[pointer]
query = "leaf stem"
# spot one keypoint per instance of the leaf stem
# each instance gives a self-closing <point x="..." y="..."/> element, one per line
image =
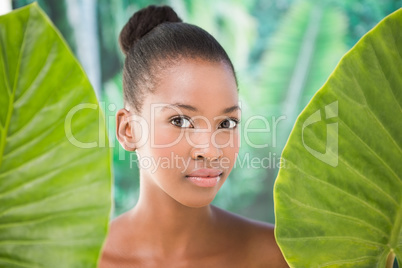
<point x="390" y="260"/>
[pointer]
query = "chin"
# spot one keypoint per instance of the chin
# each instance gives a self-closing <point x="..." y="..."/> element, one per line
<point x="194" y="203"/>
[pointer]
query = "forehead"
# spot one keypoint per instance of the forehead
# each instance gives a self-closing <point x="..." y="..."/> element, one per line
<point x="208" y="86"/>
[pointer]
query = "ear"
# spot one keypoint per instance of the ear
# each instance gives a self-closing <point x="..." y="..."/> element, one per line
<point x="124" y="130"/>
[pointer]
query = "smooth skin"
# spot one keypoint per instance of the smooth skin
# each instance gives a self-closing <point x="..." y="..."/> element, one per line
<point x="189" y="122"/>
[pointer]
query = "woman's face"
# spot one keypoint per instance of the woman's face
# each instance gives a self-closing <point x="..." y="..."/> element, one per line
<point x="187" y="141"/>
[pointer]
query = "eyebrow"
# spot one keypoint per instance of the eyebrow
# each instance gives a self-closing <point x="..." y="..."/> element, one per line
<point x="193" y="109"/>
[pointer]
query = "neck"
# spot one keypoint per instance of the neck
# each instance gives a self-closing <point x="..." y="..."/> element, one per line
<point x="171" y="227"/>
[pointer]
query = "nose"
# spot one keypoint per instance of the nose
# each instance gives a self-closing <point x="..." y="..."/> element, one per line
<point x="209" y="152"/>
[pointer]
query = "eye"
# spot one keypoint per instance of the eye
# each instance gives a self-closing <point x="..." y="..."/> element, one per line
<point x="229" y="123"/>
<point x="181" y="121"/>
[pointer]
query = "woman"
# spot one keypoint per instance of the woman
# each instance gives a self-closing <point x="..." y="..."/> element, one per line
<point x="181" y="114"/>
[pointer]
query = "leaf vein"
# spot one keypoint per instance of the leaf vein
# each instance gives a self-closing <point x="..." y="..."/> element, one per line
<point x="372" y="150"/>
<point x="345" y="192"/>
<point x="325" y="211"/>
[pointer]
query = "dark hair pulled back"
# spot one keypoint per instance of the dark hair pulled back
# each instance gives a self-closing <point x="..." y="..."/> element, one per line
<point x="155" y="38"/>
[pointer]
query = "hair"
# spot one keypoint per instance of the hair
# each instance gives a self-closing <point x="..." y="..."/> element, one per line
<point x="155" y="38"/>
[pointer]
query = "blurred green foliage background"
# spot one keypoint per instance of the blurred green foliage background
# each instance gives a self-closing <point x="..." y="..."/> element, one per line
<point x="283" y="51"/>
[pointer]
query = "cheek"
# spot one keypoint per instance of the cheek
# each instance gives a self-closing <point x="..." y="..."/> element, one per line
<point x="228" y="140"/>
<point x="165" y="136"/>
<point x="230" y="147"/>
<point x="231" y="153"/>
<point x="168" y="145"/>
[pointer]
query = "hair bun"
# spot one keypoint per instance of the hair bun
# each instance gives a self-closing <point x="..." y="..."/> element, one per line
<point x="142" y="22"/>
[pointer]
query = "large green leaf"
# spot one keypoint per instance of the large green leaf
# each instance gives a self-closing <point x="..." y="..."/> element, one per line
<point x="55" y="175"/>
<point x="338" y="197"/>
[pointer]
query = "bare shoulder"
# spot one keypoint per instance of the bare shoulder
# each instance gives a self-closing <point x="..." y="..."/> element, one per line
<point x="265" y="250"/>
<point x="257" y="240"/>
<point x="113" y="248"/>
<point x="115" y="231"/>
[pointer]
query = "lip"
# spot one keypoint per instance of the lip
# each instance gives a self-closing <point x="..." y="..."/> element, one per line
<point x="205" y="177"/>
